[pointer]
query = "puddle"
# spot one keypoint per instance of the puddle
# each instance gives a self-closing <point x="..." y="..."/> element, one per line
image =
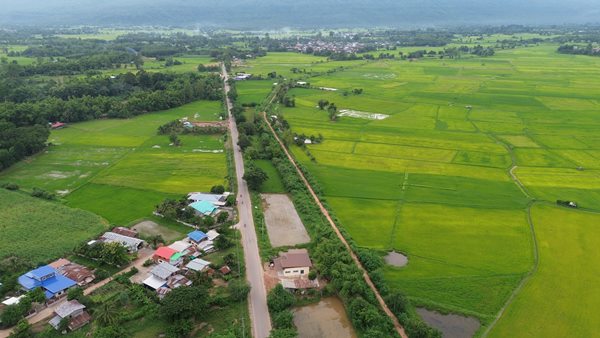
<point x="326" y="318"/>
<point x="396" y="259"/>
<point x="451" y="325"/>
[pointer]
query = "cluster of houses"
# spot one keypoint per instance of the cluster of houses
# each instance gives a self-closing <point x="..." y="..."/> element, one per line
<point x="207" y="204"/>
<point x="332" y="46"/>
<point x="170" y="270"/>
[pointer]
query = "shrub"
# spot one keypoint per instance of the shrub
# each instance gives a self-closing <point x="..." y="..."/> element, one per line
<point x="312" y="275"/>
<point x="217" y="189"/>
<point x="10" y="186"/>
<point x="238" y="289"/>
<point x="283" y="320"/>
<point x="279" y="299"/>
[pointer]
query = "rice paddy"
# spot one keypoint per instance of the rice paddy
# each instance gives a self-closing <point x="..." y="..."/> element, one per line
<point x="120" y="169"/>
<point x="435" y="179"/>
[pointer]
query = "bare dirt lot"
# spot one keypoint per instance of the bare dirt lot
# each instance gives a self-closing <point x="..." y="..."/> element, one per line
<point x="283" y="223"/>
<point x="149" y="228"/>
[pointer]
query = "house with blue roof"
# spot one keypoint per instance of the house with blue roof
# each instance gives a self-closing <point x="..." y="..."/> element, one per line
<point x="205" y="208"/>
<point x="197" y="236"/>
<point x="47" y="278"/>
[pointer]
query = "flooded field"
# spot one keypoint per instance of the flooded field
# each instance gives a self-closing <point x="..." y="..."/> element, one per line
<point x="451" y="326"/>
<point x="397" y="259"/>
<point x="327" y="318"/>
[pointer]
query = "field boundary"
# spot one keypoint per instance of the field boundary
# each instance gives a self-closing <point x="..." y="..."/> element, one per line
<point x="325" y="213"/>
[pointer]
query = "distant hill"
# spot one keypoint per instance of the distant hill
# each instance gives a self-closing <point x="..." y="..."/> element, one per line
<point x="266" y="14"/>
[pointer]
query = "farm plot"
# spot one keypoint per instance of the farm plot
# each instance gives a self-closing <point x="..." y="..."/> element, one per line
<point x="104" y="165"/>
<point x="40" y="230"/>
<point x="432" y="180"/>
<point x="283" y="222"/>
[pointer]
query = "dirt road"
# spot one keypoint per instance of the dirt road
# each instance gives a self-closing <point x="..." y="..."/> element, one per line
<point x="259" y="313"/>
<point x="397" y="325"/>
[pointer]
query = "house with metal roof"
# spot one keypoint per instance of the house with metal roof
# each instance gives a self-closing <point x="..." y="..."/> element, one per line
<point x="182" y="247"/>
<point x="197" y="236"/>
<point x="293" y="263"/>
<point x="74" y="312"/>
<point x="212" y="234"/>
<point x="164" y="254"/>
<point x="198" y="265"/>
<point x="204" y="208"/>
<point x="216" y="199"/>
<point x="131" y="243"/>
<point x="47" y="278"/>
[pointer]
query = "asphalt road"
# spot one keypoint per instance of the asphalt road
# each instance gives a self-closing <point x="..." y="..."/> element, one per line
<point x="259" y="312"/>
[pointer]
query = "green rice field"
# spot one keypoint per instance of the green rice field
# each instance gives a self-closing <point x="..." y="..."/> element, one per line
<point x="120" y="169"/>
<point x="448" y="177"/>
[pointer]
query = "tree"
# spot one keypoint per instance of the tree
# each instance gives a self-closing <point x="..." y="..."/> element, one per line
<point x="74" y="293"/>
<point x="22" y="330"/>
<point x="397" y="302"/>
<point x="174" y="139"/>
<point x="332" y="110"/>
<point x="106" y="314"/>
<point x="254" y="176"/>
<point x="244" y="141"/>
<point x="312" y="275"/>
<point x="184" y="303"/>
<point x="222" y="243"/>
<point x="37" y="295"/>
<point x="111" y="332"/>
<point x="222" y="217"/>
<point x="279" y="299"/>
<point x="113" y="254"/>
<point x="238" y="289"/>
<point x="364" y="315"/>
<point x="283" y="320"/>
<point x="180" y="329"/>
<point x="217" y="189"/>
<point x="322" y="104"/>
<point x="11" y="315"/>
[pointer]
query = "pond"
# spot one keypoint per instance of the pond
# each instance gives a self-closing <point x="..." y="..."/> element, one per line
<point x="451" y="325"/>
<point x="397" y="259"/>
<point x="326" y="318"/>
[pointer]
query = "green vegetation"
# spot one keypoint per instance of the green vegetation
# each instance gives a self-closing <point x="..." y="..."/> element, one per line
<point x="568" y="265"/>
<point x="273" y="184"/>
<point x="432" y="178"/>
<point x="38" y="230"/>
<point x="104" y="164"/>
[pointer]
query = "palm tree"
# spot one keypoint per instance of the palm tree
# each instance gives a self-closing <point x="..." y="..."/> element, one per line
<point x="106" y="314"/>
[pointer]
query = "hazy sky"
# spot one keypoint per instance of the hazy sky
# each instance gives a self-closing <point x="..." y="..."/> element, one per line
<point x="298" y="13"/>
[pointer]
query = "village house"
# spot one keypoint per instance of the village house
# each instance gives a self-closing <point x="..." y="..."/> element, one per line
<point x="216" y="199"/>
<point x="183" y="247"/>
<point x="125" y="232"/>
<point x="74" y="312"/>
<point x="79" y="273"/>
<point x="47" y="278"/>
<point x="165" y="254"/>
<point x="197" y="236"/>
<point x="204" y="208"/>
<point x="159" y="274"/>
<point x="293" y="263"/>
<point x="198" y="265"/>
<point x="132" y="244"/>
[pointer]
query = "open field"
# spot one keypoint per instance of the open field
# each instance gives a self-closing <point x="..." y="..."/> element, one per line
<point x="432" y="180"/>
<point x="559" y="296"/>
<point x="273" y="183"/>
<point x="283" y="222"/>
<point x="40" y="230"/>
<point x="104" y="165"/>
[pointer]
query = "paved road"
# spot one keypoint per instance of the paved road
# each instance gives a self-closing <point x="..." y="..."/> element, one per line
<point x="48" y="312"/>
<point x="259" y="313"/>
<point x="382" y="303"/>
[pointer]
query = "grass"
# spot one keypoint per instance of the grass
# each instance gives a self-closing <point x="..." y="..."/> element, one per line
<point x="273" y="183"/>
<point x="120" y="169"/>
<point x="432" y="180"/>
<point x="40" y="230"/>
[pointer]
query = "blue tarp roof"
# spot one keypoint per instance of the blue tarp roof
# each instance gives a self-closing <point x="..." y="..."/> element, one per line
<point x="197" y="235"/>
<point x="204" y="207"/>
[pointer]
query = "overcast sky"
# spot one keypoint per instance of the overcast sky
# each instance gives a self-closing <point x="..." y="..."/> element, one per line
<point x="298" y="13"/>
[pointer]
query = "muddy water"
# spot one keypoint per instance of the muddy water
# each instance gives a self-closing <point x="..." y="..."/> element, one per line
<point x="451" y="326"/>
<point x="326" y="318"/>
<point x="396" y="259"/>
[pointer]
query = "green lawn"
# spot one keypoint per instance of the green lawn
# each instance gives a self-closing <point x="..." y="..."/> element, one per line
<point x="120" y="169"/>
<point x="432" y="178"/>
<point x="40" y="230"/>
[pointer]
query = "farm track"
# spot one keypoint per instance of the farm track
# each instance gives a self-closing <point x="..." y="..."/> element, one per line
<point x="324" y="211"/>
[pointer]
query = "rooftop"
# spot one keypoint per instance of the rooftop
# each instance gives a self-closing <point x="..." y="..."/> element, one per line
<point x="204" y="207"/>
<point x="197" y="235"/>
<point x="164" y="270"/>
<point x="294" y="258"/>
<point x="198" y="264"/>
<point x="67" y="308"/>
<point x="165" y="252"/>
